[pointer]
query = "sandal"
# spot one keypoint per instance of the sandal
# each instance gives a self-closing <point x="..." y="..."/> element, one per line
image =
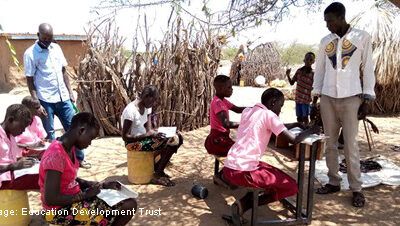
<point x="162" y="181"/>
<point x="358" y="199"/>
<point x="85" y="165"/>
<point x="328" y="189"/>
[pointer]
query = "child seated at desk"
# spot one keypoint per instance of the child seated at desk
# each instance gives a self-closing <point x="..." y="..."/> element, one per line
<point x="243" y="166"/>
<point x="34" y="134"/>
<point x="218" y="141"/>
<point x="17" y="119"/>
<point x="139" y="138"/>
<point x="76" y="199"/>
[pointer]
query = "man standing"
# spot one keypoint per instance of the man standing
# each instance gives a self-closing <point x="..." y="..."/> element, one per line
<point x="44" y="64"/>
<point x="342" y="55"/>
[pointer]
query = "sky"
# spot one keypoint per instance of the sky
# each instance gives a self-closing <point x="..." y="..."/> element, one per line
<point x="72" y="17"/>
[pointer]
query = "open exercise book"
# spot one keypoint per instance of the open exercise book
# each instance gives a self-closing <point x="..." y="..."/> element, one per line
<point x="311" y="138"/>
<point x="31" y="170"/>
<point x="168" y="131"/>
<point x="112" y="197"/>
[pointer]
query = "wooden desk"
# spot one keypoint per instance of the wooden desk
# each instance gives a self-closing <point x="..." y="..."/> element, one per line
<point x="297" y="209"/>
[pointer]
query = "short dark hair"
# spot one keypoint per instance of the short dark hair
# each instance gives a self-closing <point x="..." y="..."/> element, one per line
<point x="336" y="8"/>
<point x="19" y="113"/>
<point x="149" y="91"/>
<point x="85" y="119"/>
<point x="221" y="79"/>
<point x="29" y="102"/>
<point x="271" y="94"/>
<point x="310" y="53"/>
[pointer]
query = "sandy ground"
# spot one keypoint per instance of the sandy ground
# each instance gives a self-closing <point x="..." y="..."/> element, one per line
<point x="192" y="165"/>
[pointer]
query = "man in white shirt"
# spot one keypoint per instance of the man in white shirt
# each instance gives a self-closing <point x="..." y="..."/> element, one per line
<point x="48" y="82"/>
<point x="342" y="55"/>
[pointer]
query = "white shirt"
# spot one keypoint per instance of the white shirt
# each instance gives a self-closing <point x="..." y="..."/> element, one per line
<point x="339" y="62"/>
<point x="131" y="113"/>
<point x="45" y="66"/>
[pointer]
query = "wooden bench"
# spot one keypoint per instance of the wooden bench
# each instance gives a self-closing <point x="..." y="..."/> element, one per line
<point x="223" y="183"/>
<point x="218" y="160"/>
<point x="302" y="214"/>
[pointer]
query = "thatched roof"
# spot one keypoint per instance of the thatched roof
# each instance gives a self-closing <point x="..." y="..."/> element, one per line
<point x="263" y="60"/>
<point x="396" y="26"/>
<point x="379" y="22"/>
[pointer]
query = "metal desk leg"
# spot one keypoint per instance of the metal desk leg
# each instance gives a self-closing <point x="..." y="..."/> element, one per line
<point x="311" y="172"/>
<point x="254" y="208"/>
<point x="300" y="183"/>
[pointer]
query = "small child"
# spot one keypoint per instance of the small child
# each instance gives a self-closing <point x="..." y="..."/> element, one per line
<point x="17" y="119"/>
<point x="63" y="191"/>
<point x="34" y="134"/>
<point x="218" y="141"/>
<point x="243" y="166"/>
<point x="304" y="78"/>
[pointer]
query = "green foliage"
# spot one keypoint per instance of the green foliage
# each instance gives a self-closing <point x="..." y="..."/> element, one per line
<point x="229" y="53"/>
<point x="127" y="53"/>
<point x="294" y="53"/>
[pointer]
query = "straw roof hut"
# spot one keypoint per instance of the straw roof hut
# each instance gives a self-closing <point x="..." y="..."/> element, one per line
<point x="379" y="22"/>
<point x="263" y="60"/>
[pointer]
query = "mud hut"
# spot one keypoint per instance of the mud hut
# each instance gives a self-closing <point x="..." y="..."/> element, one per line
<point x="73" y="47"/>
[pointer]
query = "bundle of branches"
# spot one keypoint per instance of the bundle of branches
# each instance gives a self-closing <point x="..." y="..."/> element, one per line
<point x="263" y="60"/>
<point x="101" y="89"/>
<point x="379" y="23"/>
<point x="182" y="67"/>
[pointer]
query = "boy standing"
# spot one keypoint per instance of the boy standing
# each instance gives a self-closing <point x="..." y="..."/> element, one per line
<point x="304" y="78"/>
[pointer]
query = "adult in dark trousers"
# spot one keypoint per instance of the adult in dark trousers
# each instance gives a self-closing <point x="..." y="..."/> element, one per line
<point x="47" y="79"/>
<point x="342" y="56"/>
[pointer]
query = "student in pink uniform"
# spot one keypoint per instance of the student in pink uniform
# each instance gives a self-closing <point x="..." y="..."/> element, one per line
<point x="34" y="134"/>
<point x="218" y="141"/>
<point x="62" y="190"/>
<point x="17" y="119"/>
<point x="243" y="166"/>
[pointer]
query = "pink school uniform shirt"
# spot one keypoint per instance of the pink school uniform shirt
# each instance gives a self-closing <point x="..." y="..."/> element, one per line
<point x="56" y="158"/>
<point x="9" y="152"/>
<point x="255" y="129"/>
<point x="218" y="105"/>
<point x="33" y="133"/>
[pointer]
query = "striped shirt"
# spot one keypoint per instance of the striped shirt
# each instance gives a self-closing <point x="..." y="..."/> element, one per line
<point x="304" y="85"/>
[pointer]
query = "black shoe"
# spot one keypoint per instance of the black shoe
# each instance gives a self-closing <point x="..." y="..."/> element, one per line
<point x="328" y="189"/>
<point x="358" y="199"/>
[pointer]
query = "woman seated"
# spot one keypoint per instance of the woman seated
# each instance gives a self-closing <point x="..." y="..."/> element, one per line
<point x="139" y="138"/>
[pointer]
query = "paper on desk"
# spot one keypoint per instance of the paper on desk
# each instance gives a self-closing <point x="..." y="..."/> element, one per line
<point x="27" y="171"/>
<point x="311" y="138"/>
<point x="42" y="148"/>
<point x="112" y="197"/>
<point x="168" y="131"/>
